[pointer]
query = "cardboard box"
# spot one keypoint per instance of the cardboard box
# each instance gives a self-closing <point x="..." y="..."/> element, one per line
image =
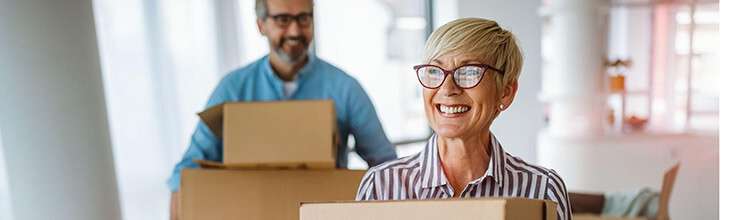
<point x="260" y="194"/>
<point x="283" y="134"/>
<point x="669" y="179"/>
<point x="484" y="208"/>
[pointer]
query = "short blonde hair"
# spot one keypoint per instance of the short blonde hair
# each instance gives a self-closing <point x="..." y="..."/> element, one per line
<point x="481" y="38"/>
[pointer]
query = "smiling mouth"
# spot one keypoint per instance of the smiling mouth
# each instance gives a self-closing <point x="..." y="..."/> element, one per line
<point x="452" y="109"/>
<point x="293" y="41"/>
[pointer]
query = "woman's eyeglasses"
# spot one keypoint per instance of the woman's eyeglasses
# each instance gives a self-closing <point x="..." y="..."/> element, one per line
<point x="466" y="76"/>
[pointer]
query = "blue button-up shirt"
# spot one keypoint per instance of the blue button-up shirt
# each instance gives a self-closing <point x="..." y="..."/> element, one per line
<point x="316" y="80"/>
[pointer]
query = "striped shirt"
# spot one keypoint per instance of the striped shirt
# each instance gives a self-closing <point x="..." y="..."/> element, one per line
<point x="420" y="176"/>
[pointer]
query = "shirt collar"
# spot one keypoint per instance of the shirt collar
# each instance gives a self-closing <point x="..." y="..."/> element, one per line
<point x="496" y="165"/>
<point x="431" y="167"/>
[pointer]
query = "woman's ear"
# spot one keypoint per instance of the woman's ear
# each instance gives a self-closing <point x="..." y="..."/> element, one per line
<point x="509" y="93"/>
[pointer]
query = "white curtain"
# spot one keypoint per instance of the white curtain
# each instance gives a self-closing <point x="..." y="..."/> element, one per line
<point x="162" y="59"/>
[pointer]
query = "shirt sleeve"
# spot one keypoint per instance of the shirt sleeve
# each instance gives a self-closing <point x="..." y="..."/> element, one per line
<point x="557" y="192"/>
<point x="367" y="191"/>
<point x="204" y="145"/>
<point x="371" y="142"/>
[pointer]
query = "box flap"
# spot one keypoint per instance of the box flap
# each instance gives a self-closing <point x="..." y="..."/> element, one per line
<point x="209" y="164"/>
<point x="213" y="118"/>
<point x="669" y="178"/>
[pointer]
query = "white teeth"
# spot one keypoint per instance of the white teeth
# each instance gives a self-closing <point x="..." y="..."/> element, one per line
<point x="453" y="110"/>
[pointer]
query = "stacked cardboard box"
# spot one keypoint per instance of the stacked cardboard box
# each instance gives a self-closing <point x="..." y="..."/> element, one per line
<point x="260" y="194"/>
<point x="279" y="154"/>
<point x="276" y="154"/>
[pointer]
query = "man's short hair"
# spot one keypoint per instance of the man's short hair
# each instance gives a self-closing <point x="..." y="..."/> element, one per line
<point x="260" y="8"/>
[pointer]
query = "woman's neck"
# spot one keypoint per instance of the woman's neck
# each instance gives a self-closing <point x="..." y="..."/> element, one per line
<point x="464" y="159"/>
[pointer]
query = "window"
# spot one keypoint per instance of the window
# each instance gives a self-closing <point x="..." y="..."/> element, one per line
<point x="671" y="72"/>
<point x="696" y="50"/>
<point x="380" y="53"/>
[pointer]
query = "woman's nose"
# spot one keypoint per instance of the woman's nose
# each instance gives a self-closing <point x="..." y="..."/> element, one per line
<point x="448" y="87"/>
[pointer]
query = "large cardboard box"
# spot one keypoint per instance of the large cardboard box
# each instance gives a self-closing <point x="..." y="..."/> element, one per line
<point x="462" y="209"/>
<point x="280" y="134"/>
<point x="260" y="194"/>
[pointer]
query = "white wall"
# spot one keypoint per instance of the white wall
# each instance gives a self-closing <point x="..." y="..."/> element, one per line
<point x="518" y="126"/>
<point x="55" y="133"/>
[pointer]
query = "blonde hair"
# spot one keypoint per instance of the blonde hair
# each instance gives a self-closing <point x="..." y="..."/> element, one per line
<point x="483" y="39"/>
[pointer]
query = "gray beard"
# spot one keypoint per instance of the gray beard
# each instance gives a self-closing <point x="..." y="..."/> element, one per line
<point x="285" y="57"/>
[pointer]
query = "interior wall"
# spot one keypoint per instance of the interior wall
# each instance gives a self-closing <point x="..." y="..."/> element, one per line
<point x="629" y="163"/>
<point x="518" y="126"/>
<point x="53" y="118"/>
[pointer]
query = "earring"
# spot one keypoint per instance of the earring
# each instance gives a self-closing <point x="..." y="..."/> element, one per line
<point x="501" y="107"/>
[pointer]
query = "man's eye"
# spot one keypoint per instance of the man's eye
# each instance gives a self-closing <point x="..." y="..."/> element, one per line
<point x="282" y="19"/>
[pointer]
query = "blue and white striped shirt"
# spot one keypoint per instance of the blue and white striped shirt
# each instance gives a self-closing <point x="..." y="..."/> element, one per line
<point x="420" y="176"/>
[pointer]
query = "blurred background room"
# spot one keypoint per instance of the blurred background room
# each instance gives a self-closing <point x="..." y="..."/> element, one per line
<point x="99" y="98"/>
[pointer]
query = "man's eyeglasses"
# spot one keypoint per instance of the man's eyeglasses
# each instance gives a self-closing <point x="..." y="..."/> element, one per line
<point x="466" y="76"/>
<point x="303" y="19"/>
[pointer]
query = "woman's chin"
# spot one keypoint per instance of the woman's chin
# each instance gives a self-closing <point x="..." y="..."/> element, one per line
<point x="449" y="131"/>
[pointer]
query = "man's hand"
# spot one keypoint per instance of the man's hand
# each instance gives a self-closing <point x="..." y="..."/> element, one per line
<point x="174" y="206"/>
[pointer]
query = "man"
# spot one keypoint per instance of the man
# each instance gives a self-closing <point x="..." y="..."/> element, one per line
<point x="291" y="72"/>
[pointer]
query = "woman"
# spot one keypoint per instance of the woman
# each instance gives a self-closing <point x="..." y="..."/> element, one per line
<point x="470" y="77"/>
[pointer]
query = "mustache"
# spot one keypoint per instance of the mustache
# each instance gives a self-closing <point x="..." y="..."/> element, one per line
<point x="300" y="39"/>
